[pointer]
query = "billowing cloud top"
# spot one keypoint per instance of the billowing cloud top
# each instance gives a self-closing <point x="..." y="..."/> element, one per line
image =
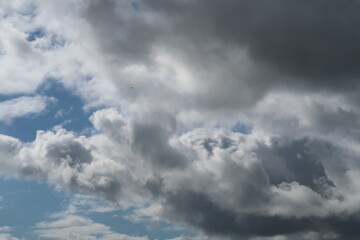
<point x="237" y="118"/>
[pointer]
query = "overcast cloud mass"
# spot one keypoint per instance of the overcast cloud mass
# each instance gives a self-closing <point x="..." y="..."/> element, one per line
<point x="239" y="119"/>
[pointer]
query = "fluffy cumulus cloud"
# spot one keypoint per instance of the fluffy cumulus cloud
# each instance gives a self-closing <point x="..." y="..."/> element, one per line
<point x="239" y="119"/>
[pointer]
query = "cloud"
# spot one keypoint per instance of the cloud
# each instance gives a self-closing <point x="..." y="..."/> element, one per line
<point x="78" y="227"/>
<point x="22" y="107"/>
<point x="87" y="203"/>
<point x="22" y="69"/>
<point x="317" y="48"/>
<point x="5" y="229"/>
<point x="170" y="80"/>
<point x="189" y="238"/>
<point x="291" y="186"/>
<point x="70" y="223"/>
<point x="6" y="236"/>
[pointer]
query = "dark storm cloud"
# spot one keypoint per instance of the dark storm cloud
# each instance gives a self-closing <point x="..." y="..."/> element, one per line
<point x="245" y="48"/>
<point x="292" y="161"/>
<point x="316" y="42"/>
<point x="197" y="210"/>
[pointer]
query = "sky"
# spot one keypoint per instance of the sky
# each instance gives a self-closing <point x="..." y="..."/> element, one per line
<point x="179" y="120"/>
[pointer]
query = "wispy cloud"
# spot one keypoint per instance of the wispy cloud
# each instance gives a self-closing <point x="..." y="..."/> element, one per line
<point x="77" y="227"/>
<point x="22" y="107"/>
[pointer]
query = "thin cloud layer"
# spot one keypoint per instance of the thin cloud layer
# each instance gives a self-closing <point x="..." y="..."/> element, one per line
<point x="172" y="81"/>
<point x="22" y="106"/>
<point x="77" y="227"/>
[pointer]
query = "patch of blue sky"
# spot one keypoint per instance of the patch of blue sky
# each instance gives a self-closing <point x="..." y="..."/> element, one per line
<point x="69" y="107"/>
<point x="51" y="41"/>
<point x="38" y="33"/>
<point x="136" y="6"/>
<point x="242" y="128"/>
<point x="67" y="111"/>
<point x="25" y="203"/>
<point x="56" y="41"/>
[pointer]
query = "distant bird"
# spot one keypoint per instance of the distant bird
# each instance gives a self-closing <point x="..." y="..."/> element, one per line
<point x="132" y="87"/>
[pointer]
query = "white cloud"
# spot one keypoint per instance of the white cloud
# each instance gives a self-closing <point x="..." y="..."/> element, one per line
<point x="22" y="69"/>
<point x="7" y="236"/>
<point x="22" y="107"/>
<point x="78" y="227"/>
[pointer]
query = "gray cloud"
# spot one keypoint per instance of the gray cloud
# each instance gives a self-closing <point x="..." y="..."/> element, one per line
<point x="120" y="31"/>
<point x="152" y="142"/>
<point x="293" y="162"/>
<point x="197" y="210"/>
<point x="315" y="41"/>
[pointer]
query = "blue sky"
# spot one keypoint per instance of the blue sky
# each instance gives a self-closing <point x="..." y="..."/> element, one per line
<point x="66" y="108"/>
<point x="26" y="203"/>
